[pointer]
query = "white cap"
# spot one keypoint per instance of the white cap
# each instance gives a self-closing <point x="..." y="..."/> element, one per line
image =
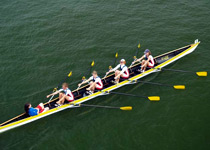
<point x="122" y="60"/>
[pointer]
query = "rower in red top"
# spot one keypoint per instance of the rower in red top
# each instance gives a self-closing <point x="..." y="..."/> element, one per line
<point x="148" y="62"/>
<point x="95" y="83"/>
<point x="121" y="70"/>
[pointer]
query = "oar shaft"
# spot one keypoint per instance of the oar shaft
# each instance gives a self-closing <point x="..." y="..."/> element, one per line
<point x="126" y="94"/>
<point x="110" y="67"/>
<point x="69" y="75"/>
<point x="91" y="66"/>
<point x="176" y="70"/>
<point x="98" y="106"/>
<point x="116" y="56"/>
<point x="154" y="83"/>
<point x="62" y="82"/>
<point x="51" y="98"/>
<point x="200" y="73"/>
<point x="114" y="62"/>
<point x="90" y="70"/>
<point x="135" y="56"/>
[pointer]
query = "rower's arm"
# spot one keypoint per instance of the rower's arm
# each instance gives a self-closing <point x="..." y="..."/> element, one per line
<point x="86" y="81"/>
<point x="53" y="94"/>
<point x="139" y="59"/>
<point x="114" y="69"/>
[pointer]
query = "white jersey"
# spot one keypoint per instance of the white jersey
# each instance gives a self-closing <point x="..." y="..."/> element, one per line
<point x="152" y="62"/>
<point x="66" y="91"/>
<point x="123" y="68"/>
<point x="97" y="80"/>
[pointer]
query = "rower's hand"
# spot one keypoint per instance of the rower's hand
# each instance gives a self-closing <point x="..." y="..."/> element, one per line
<point x="107" y="72"/>
<point x="79" y="84"/>
<point x="48" y="96"/>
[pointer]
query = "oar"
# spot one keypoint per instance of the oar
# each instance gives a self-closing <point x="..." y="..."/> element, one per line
<point x="91" y="66"/>
<point x="136" y="54"/>
<point x="110" y="67"/>
<point x="116" y="56"/>
<point x="51" y="98"/>
<point x="108" y="107"/>
<point x="84" y="78"/>
<point x="69" y="75"/>
<point x="178" y="87"/>
<point x="200" y="74"/>
<point x="151" y="98"/>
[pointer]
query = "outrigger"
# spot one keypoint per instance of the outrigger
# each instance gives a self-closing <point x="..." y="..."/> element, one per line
<point x="80" y="93"/>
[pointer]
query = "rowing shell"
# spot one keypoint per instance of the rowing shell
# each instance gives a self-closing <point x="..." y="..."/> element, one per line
<point x="80" y="96"/>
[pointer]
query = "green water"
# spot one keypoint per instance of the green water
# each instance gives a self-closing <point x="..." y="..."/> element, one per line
<point x="41" y="41"/>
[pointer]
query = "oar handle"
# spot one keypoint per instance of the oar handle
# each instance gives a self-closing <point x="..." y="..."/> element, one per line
<point x="68" y="76"/>
<point x="51" y="98"/>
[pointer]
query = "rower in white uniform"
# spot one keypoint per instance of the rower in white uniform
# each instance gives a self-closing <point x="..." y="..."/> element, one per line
<point x="121" y="70"/>
<point x="147" y="60"/>
<point x="64" y="94"/>
<point x="95" y="83"/>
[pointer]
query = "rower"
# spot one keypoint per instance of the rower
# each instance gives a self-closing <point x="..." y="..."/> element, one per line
<point x="64" y="94"/>
<point x="122" y="72"/>
<point x="35" y="111"/>
<point x="95" y="83"/>
<point x="148" y="62"/>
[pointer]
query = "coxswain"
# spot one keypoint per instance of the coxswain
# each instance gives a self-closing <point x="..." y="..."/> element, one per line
<point x="35" y="111"/>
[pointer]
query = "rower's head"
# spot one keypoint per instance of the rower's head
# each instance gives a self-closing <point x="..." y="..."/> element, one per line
<point x="147" y="52"/>
<point x="65" y="86"/>
<point x="26" y="107"/>
<point x="95" y="74"/>
<point x="122" y="62"/>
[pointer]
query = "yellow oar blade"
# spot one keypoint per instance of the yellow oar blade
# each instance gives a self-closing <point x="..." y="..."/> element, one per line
<point x="202" y="74"/>
<point x="83" y="78"/>
<point x="116" y="55"/>
<point x="92" y="64"/>
<point x="69" y="75"/>
<point x="55" y="89"/>
<point x="139" y="45"/>
<point x="179" y="87"/>
<point x="154" y="98"/>
<point x="126" y="108"/>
